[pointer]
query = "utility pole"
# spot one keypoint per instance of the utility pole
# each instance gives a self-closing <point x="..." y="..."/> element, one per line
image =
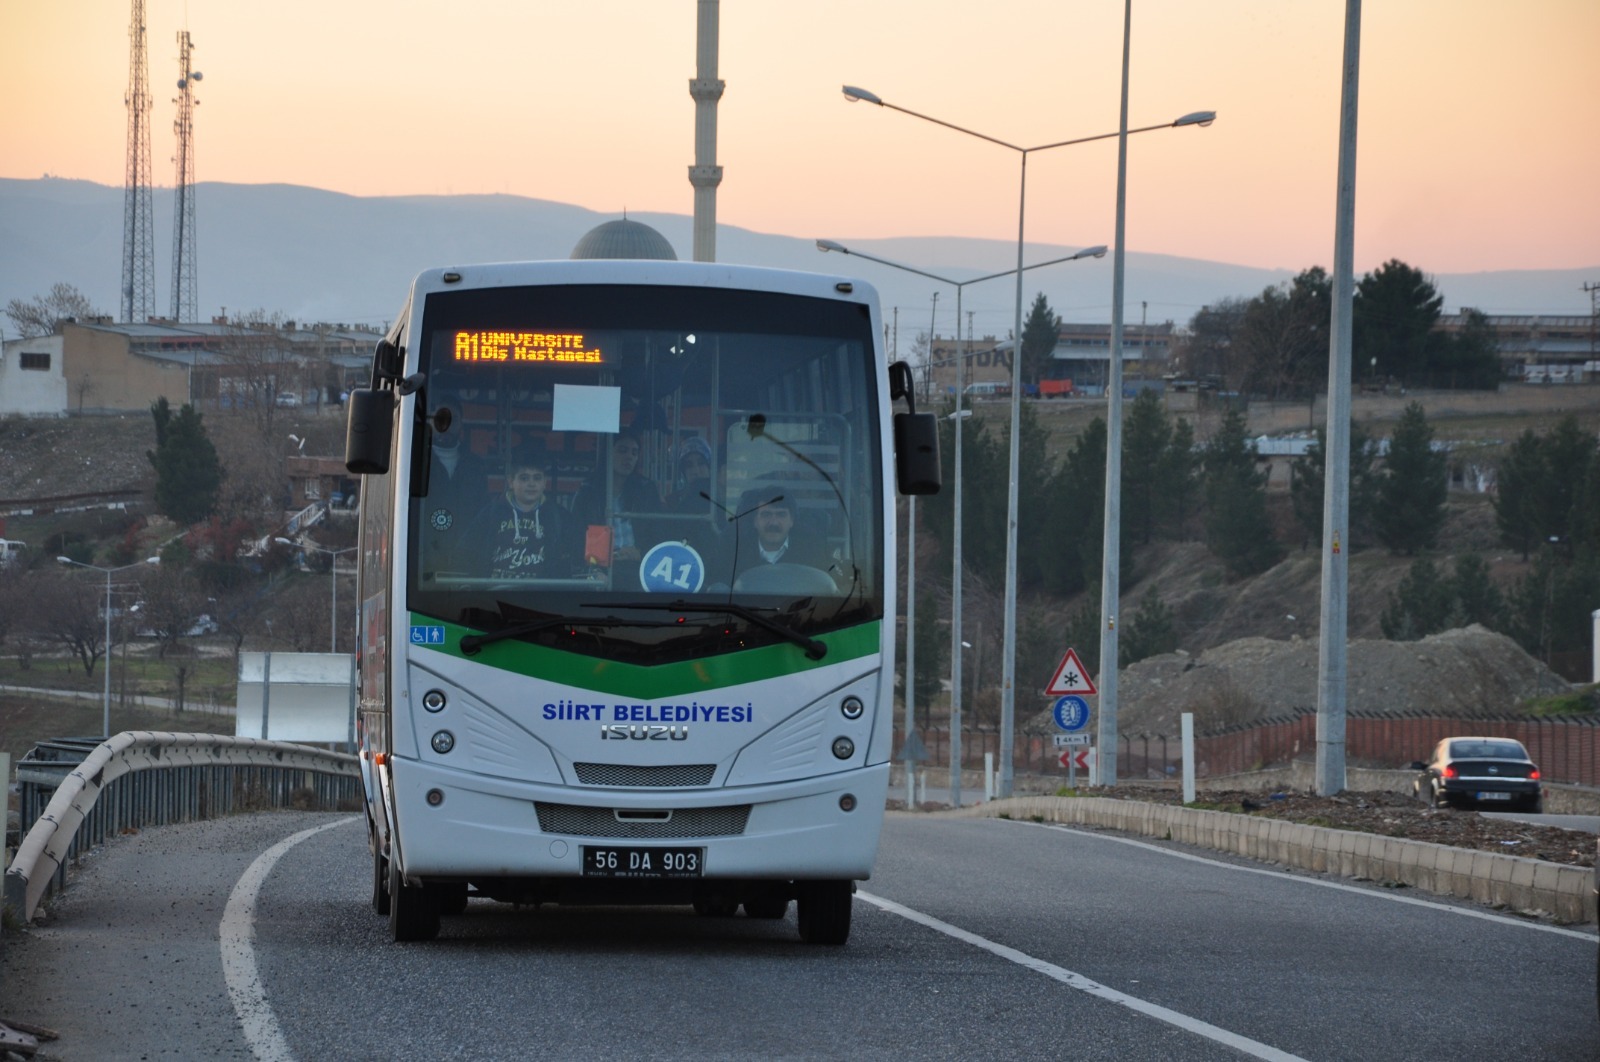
<point x="138" y="241"/>
<point x="1594" y="314"/>
<point x="184" y="299"/>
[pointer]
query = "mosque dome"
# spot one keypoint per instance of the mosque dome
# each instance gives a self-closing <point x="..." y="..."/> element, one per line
<point x="624" y="239"/>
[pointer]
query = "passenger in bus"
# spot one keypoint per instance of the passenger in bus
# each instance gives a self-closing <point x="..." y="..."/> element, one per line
<point x="524" y="534"/>
<point x="692" y="494"/>
<point x="631" y="493"/>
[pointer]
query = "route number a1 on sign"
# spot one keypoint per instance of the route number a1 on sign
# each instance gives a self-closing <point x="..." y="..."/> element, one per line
<point x="1070" y="677"/>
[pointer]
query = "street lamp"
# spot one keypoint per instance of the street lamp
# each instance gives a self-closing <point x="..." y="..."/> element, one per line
<point x="958" y="416"/>
<point x="333" y="574"/>
<point x="105" y="712"/>
<point x="1008" y="678"/>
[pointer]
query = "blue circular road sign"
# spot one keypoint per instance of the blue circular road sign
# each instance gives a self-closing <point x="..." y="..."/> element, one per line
<point x="1072" y="713"/>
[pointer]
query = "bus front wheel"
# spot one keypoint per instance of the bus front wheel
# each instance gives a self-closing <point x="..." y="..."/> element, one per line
<point x="413" y="910"/>
<point x="823" y="911"/>
<point x="380" y="882"/>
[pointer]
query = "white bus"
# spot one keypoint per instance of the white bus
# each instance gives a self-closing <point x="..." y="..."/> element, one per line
<point x="626" y="591"/>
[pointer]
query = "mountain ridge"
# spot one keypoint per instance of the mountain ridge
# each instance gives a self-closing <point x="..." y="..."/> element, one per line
<point x="313" y="254"/>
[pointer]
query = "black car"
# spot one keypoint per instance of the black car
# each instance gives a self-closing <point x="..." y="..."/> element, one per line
<point x="1481" y="771"/>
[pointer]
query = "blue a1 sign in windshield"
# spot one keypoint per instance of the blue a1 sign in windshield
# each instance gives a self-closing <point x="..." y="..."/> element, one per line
<point x="1072" y="713"/>
<point x="672" y="568"/>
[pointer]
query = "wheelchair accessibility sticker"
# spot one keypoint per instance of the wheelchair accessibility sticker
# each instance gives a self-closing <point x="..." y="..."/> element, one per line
<point x="422" y="635"/>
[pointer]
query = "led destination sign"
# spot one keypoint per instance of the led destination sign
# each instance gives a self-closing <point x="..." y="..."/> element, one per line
<point x="560" y="347"/>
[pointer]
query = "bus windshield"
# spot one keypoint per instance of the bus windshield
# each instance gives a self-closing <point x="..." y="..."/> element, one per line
<point x="645" y="473"/>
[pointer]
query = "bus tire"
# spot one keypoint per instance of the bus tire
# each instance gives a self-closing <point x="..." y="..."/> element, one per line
<point x="380" y="883"/>
<point x="413" y="910"/>
<point x="824" y="912"/>
<point x="452" y="897"/>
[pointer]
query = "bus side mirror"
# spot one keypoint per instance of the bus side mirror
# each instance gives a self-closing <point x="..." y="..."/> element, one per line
<point x="369" y="432"/>
<point x="916" y="453"/>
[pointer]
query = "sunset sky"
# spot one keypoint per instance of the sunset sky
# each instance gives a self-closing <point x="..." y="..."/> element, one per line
<point x="1478" y="147"/>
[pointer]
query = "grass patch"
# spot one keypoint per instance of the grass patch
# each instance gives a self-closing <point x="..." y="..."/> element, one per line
<point x="27" y="719"/>
<point x="1582" y="701"/>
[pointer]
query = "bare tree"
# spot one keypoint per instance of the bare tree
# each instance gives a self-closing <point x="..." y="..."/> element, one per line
<point x="173" y="602"/>
<point x="40" y="315"/>
<point x="67" y="611"/>
<point x="299" y="616"/>
<point x="258" y="364"/>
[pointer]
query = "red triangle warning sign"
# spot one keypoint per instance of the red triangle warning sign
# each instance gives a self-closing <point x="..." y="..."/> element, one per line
<point x="1070" y="677"/>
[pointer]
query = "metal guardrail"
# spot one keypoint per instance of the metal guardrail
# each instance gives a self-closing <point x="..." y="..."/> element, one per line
<point x="141" y="778"/>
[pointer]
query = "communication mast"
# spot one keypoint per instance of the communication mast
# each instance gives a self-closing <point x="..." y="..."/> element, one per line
<point x="184" y="306"/>
<point x="138" y="241"/>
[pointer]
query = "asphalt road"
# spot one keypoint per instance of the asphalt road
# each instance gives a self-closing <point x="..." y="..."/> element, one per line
<point x="975" y="939"/>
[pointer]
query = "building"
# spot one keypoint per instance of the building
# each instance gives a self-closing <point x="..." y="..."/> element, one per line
<point x="105" y="367"/>
<point x="31" y="380"/>
<point x="1082" y="356"/>
<point x="1540" y="348"/>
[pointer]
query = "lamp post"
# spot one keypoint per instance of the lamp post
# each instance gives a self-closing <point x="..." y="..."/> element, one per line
<point x="958" y="416"/>
<point x="1008" y="676"/>
<point x="105" y="711"/>
<point x="333" y="574"/>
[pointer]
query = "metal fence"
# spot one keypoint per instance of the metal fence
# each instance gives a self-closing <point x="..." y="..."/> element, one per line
<point x="76" y="792"/>
<point x="1567" y="750"/>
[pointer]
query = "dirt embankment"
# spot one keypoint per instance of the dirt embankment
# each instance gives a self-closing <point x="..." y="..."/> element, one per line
<point x="1471" y="671"/>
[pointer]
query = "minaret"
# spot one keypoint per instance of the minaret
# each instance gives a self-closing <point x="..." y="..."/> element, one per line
<point x="705" y="174"/>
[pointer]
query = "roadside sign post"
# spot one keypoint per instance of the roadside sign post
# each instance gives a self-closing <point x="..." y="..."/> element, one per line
<point x="1068" y="684"/>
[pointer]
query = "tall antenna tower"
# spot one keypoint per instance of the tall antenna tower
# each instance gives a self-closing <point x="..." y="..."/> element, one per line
<point x="183" y="254"/>
<point x="138" y="242"/>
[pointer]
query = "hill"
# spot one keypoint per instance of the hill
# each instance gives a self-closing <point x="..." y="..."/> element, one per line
<point x="315" y="255"/>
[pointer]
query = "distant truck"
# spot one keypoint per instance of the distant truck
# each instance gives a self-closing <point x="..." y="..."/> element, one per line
<point x="1055" y="388"/>
<point x="12" y="553"/>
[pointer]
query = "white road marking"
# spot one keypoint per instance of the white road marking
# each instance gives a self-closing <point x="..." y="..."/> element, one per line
<point x="238" y="933"/>
<point x="1077" y="981"/>
<point x="1466" y="912"/>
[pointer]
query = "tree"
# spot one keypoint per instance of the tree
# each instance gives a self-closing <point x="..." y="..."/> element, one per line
<point x="1283" y="337"/>
<point x="1208" y="350"/>
<point x="1146" y="437"/>
<point x="1180" y="466"/>
<point x="1307" y="487"/>
<point x="1469" y="359"/>
<point x="1040" y="333"/>
<point x="1394" y="312"/>
<point x="188" y="474"/>
<point x="1150" y="633"/>
<point x="1519" y="483"/>
<point x="1478" y="600"/>
<point x="1413" y="487"/>
<point x="1421" y="605"/>
<point x="1238" y="530"/>
<point x="68" y="611"/>
<point x="40" y="315"/>
<point x="1550" y="607"/>
<point x="933" y="649"/>
<point x="1071" y="553"/>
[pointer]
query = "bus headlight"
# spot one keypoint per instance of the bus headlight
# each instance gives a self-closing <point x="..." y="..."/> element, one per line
<point x="443" y="742"/>
<point x="852" y="707"/>
<point x="843" y="748"/>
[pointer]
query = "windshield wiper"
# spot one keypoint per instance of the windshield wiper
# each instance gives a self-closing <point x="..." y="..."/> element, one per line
<point x="814" y="649"/>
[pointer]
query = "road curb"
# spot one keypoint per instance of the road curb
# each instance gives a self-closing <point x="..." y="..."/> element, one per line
<point x="1530" y="886"/>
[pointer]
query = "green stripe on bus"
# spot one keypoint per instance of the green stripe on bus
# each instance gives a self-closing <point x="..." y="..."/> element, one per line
<point x="664" y="680"/>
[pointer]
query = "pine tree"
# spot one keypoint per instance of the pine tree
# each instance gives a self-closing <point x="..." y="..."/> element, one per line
<point x="1421" y="605"/>
<point x="1307" y="486"/>
<point x="1151" y="632"/>
<point x="188" y="473"/>
<point x="1413" y="488"/>
<point x="1040" y="334"/>
<point x="1477" y="598"/>
<point x="1519" y="482"/>
<point x="1146" y="437"/>
<point x="1237" y="528"/>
